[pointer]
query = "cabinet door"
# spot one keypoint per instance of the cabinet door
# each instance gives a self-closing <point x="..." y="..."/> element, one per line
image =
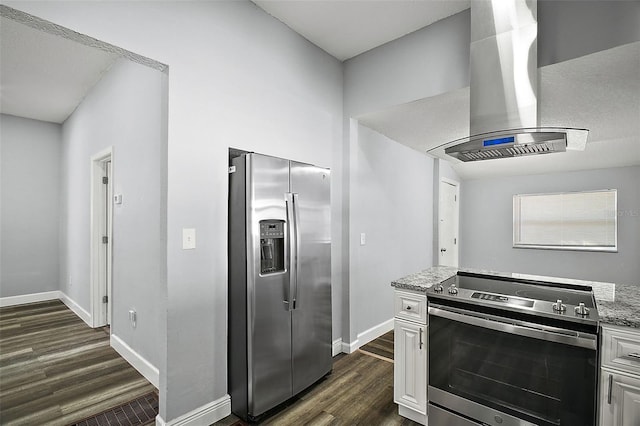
<point x="620" y="400"/>
<point x="410" y="365"/>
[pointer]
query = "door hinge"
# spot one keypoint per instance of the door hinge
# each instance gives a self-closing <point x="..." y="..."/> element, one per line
<point x="105" y="180"/>
<point x="105" y="240"/>
<point x="105" y="299"/>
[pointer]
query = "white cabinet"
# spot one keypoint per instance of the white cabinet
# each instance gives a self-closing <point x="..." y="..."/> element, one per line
<point x="619" y="399"/>
<point x="620" y="377"/>
<point x="410" y="355"/>
<point x="410" y="365"/>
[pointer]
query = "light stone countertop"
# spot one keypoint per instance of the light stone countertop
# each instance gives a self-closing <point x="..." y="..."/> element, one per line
<point x="618" y="304"/>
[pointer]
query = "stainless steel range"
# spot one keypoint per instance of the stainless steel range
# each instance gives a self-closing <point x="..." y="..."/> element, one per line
<point x="506" y="351"/>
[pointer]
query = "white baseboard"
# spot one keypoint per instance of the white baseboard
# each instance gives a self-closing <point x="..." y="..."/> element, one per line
<point x="29" y="298"/>
<point x="77" y="309"/>
<point x="336" y="347"/>
<point x="206" y="415"/>
<point x="143" y="366"/>
<point x="366" y="336"/>
<point x="375" y="332"/>
<point x="43" y="297"/>
<point x="350" y="347"/>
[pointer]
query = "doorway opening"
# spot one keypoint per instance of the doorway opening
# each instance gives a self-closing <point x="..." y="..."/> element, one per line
<point x="101" y="237"/>
<point x="448" y="218"/>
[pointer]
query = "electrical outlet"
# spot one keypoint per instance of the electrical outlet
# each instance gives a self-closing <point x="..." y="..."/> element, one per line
<point x="133" y="318"/>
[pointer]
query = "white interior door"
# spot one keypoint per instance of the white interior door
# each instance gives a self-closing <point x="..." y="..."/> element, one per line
<point x="448" y="222"/>
<point x="101" y="238"/>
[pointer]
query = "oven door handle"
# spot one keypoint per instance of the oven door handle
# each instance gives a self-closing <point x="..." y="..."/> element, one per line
<point x="521" y="328"/>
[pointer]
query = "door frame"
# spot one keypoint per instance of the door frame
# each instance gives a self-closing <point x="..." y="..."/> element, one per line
<point x="456" y="184"/>
<point x="101" y="260"/>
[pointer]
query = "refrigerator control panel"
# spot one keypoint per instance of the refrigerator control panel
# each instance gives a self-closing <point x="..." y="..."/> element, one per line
<point x="271" y="229"/>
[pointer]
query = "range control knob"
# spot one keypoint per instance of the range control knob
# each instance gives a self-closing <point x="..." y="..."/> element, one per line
<point x="559" y="307"/>
<point x="453" y="290"/>
<point x="438" y="288"/>
<point x="581" y="309"/>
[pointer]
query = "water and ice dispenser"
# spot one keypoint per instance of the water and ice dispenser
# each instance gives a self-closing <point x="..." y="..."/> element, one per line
<point x="271" y="246"/>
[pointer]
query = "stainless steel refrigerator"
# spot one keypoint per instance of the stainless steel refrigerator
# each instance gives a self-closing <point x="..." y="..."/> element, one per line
<point x="279" y="281"/>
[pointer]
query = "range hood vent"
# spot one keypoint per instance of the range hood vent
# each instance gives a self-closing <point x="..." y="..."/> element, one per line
<point x="517" y="143"/>
<point x="504" y="88"/>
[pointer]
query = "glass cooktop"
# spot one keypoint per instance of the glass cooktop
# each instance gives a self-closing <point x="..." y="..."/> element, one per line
<point x="562" y="302"/>
<point x="540" y="291"/>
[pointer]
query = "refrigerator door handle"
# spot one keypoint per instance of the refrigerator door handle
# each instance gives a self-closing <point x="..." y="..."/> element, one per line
<point x="291" y="251"/>
<point x="296" y="234"/>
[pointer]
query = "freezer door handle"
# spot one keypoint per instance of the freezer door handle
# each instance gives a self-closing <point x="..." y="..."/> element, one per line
<point x="296" y="234"/>
<point x="292" y="252"/>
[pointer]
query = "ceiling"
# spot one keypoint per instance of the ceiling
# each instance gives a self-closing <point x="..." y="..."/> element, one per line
<point x="600" y="92"/>
<point x="45" y="76"/>
<point x="347" y="28"/>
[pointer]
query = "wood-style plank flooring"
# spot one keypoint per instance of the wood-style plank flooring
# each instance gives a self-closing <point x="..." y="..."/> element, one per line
<point x="359" y="391"/>
<point x="382" y="346"/>
<point x="56" y="370"/>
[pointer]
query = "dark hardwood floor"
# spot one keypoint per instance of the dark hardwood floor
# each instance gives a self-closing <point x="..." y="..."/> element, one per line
<point x="381" y="347"/>
<point x="56" y="370"/>
<point x="359" y="391"/>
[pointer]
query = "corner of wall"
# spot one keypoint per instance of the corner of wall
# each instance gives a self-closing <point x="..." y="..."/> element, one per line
<point x="144" y="367"/>
<point x="76" y="308"/>
<point x="204" y="415"/>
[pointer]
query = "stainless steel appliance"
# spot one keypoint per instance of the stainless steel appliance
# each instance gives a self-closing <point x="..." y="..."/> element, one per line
<point x="504" y="120"/>
<point x="279" y="281"/>
<point x="505" y="351"/>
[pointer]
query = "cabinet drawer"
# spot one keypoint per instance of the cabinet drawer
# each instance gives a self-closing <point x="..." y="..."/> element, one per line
<point x="411" y="306"/>
<point x="621" y="349"/>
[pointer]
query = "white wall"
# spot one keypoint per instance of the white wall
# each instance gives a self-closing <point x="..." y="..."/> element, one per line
<point x="237" y="78"/>
<point x="445" y="170"/>
<point x="29" y="200"/>
<point x="486" y="226"/>
<point x="122" y="111"/>
<point x="425" y="63"/>
<point x="391" y="203"/>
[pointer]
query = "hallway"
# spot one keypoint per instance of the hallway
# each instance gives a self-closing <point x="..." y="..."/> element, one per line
<point x="55" y="369"/>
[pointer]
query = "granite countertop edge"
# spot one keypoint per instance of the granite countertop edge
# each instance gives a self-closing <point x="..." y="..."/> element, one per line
<point x="618" y="304"/>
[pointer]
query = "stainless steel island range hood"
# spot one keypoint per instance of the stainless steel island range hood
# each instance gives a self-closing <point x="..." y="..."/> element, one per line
<point x="504" y="88"/>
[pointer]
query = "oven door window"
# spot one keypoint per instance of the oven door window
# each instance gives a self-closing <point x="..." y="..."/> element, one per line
<point x="542" y="382"/>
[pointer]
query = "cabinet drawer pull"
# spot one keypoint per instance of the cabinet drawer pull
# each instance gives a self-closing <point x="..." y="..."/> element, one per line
<point x="635" y="355"/>
<point x="408" y="308"/>
<point x="609" y="391"/>
<point x="420" y="338"/>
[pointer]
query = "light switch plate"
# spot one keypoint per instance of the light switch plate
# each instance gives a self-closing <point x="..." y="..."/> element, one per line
<point x="117" y="199"/>
<point x="188" y="238"/>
